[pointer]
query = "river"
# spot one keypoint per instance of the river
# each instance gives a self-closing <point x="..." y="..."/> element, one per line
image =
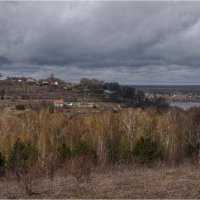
<point x="185" y="105"/>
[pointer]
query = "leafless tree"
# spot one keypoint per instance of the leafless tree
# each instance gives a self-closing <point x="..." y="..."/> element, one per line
<point x="81" y="167"/>
<point x="129" y="122"/>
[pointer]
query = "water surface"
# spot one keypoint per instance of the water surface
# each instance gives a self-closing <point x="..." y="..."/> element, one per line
<point x="185" y="105"/>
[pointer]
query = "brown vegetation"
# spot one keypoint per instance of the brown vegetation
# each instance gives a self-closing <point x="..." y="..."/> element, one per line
<point x="45" y="146"/>
<point x="125" y="182"/>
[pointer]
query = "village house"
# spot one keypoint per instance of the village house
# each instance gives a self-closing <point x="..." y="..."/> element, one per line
<point x="58" y="103"/>
<point x="54" y="83"/>
<point x="31" y="81"/>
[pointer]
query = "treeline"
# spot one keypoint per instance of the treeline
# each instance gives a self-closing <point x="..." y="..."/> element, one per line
<point x="129" y="95"/>
<point x="106" y="133"/>
<point x="95" y="85"/>
<point x="49" y="140"/>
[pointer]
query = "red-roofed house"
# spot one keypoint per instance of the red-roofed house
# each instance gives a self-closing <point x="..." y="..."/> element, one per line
<point x="58" y="103"/>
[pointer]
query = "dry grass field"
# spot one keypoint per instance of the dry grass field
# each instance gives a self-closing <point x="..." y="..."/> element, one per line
<point x="116" y="182"/>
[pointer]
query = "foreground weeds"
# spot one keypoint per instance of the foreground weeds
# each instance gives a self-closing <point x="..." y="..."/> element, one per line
<point x="115" y="182"/>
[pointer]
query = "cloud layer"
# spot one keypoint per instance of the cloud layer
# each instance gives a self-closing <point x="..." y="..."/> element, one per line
<point x="129" y="42"/>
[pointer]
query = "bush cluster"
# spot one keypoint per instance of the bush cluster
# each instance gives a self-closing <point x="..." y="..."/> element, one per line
<point x="20" y="107"/>
<point x="146" y="150"/>
<point x="81" y="149"/>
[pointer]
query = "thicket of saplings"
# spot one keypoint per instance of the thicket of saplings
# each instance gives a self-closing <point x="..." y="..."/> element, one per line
<point x="39" y="144"/>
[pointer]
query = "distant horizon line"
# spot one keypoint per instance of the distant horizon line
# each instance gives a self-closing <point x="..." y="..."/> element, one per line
<point x="75" y="81"/>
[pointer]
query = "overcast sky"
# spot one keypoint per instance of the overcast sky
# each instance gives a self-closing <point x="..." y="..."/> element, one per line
<point x="128" y="42"/>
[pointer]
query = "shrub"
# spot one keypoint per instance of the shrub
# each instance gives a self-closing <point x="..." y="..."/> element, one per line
<point x="94" y="107"/>
<point x="83" y="159"/>
<point x="22" y="157"/>
<point x="20" y="107"/>
<point x="146" y="150"/>
<point x="113" y="154"/>
<point x="82" y="148"/>
<point x="127" y="155"/>
<point x="2" y="93"/>
<point x="64" y="152"/>
<point x="81" y="167"/>
<point x="51" y="108"/>
<point x="2" y="163"/>
<point x="192" y="149"/>
<point x="17" y="155"/>
<point x="31" y="154"/>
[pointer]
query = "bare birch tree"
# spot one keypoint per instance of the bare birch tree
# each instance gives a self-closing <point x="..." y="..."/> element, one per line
<point x="129" y="122"/>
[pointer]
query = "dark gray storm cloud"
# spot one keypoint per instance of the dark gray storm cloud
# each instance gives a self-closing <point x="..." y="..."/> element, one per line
<point x="129" y="42"/>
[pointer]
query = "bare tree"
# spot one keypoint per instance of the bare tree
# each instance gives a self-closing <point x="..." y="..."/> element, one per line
<point x="193" y="137"/>
<point x="129" y="122"/>
<point x="81" y="167"/>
